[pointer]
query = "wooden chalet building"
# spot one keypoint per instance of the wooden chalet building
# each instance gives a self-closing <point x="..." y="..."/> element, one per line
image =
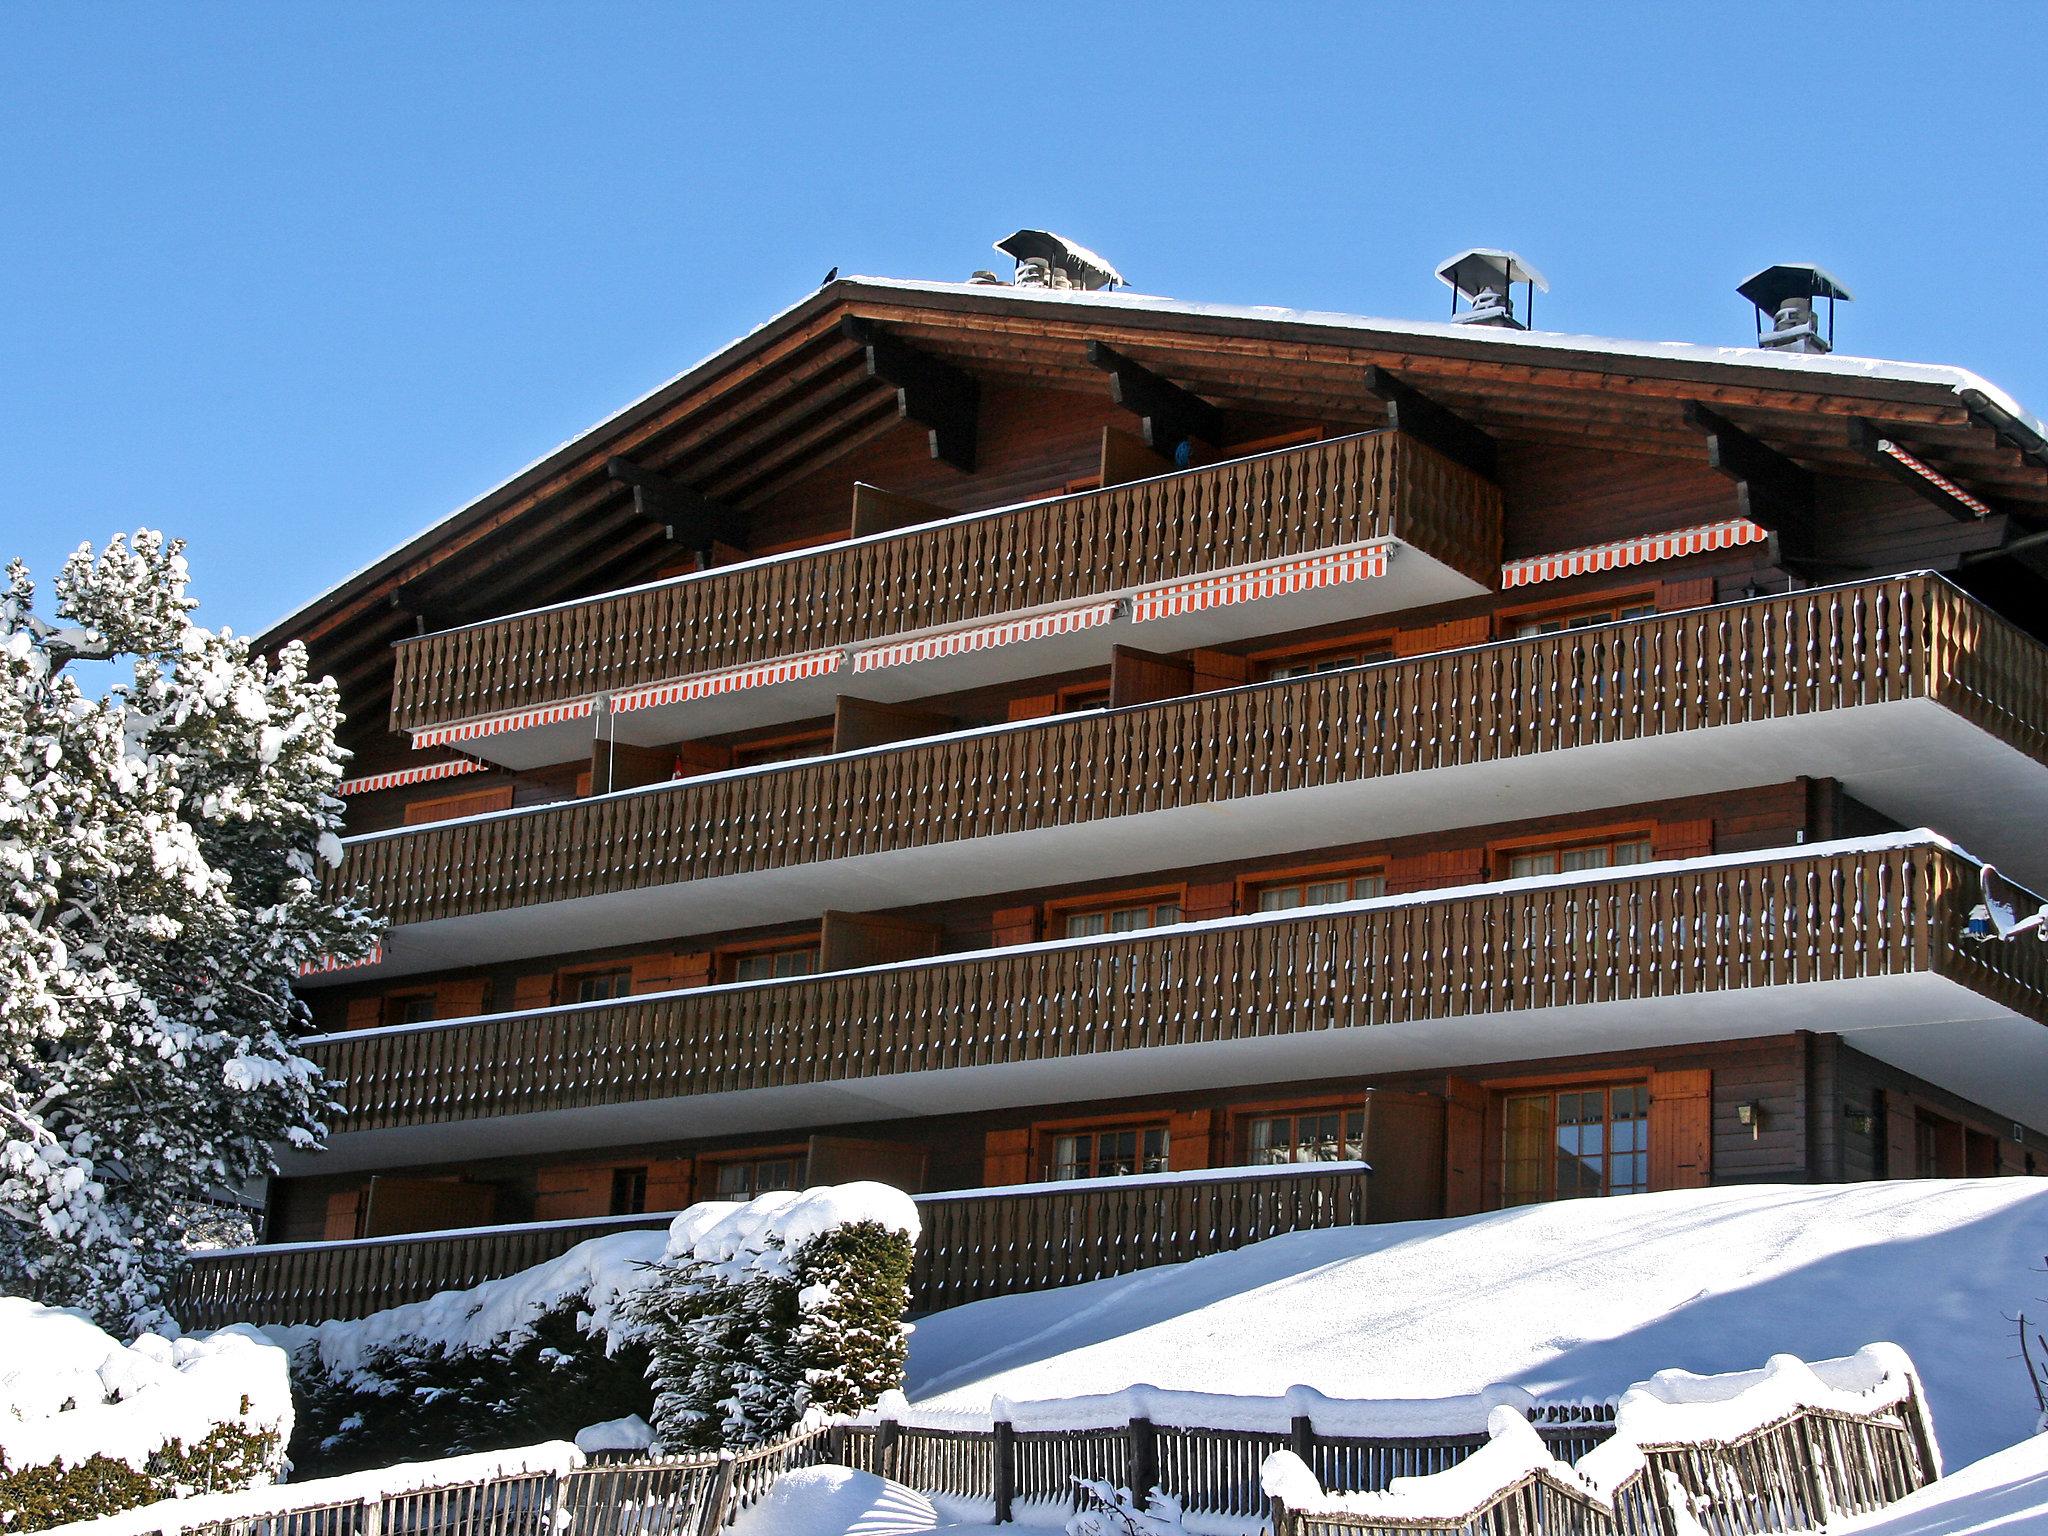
<point x="1018" y="741"/>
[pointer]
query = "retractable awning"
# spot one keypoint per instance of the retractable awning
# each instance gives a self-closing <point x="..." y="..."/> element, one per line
<point x="1274" y="579"/>
<point x="370" y="783"/>
<point x="981" y="637"/>
<point x="1622" y="553"/>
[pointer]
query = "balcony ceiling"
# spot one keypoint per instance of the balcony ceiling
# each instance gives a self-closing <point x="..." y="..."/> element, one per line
<point x="795" y="396"/>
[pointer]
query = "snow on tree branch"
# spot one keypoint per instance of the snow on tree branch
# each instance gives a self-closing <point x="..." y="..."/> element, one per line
<point x="161" y="849"/>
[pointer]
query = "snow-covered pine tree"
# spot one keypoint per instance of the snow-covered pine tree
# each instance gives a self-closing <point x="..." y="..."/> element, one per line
<point x="160" y="848"/>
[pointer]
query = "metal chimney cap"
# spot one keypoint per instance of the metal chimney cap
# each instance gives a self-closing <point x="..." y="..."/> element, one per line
<point x="1087" y="269"/>
<point x="1770" y="288"/>
<point x="1483" y="268"/>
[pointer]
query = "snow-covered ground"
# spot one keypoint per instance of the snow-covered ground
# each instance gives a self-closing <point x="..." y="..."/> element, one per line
<point x="1571" y="1300"/>
<point x="2006" y="1492"/>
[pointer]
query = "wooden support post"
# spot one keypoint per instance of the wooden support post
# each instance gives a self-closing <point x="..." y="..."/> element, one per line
<point x="712" y="1521"/>
<point x="1169" y="415"/>
<point x="878" y="511"/>
<point x="1409" y="410"/>
<point x="1144" y="1459"/>
<point x="1770" y="490"/>
<point x="887" y="1434"/>
<point x="1003" y="1474"/>
<point x="694" y="521"/>
<point x="929" y="391"/>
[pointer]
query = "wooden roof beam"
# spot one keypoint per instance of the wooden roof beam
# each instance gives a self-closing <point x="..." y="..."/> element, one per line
<point x="1410" y="410"/>
<point x="690" y="519"/>
<point x="1771" y="491"/>
<point x="1168" y="414"/>
<point x="929" y="391"/>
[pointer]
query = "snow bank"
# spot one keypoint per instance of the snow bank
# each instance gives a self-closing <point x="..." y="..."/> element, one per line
<point x="2005" y="1493"/>
<point x="68" y="1389"/>
<point x="832" y="1501"/>
<point x="593" y="1275"/>
<point x="597" y="1274"/>
<point x="1573" y="1301"/>
<point x="173" y="1515"/>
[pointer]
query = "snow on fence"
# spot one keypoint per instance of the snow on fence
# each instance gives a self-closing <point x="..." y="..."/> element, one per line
<point x="537" y="1490"/>
<point x="1790" y="1447"/>
<point x="1021" y="1460"/>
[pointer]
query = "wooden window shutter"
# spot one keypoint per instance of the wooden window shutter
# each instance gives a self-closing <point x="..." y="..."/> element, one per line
<point x="1681" y="1129"/>
<point x="1014" y="925"/>
<point x="1006" y="1157"/>
<point x="1187" y="1139"/>
<point x="1464" y="1147"/>
<point x="1219" y="669"/>
<point x="344" y="1212"/>
<point x="565" y="1194"/>
<point x="533" y="992"/>
<point x="668" y="1183"/>
<point x="462" y="999"/>
<point x="692" y="969"/>
<point x="365" y="1012"/>
<point x="1901" y="1139"/>
<point x="1435" y="870"/>
<point x="1683" y="839"/>
<point x="1213" y="898"/>
<point x="1037" y="707"/>
<point x="1447" y="636"/>
<point x="446" y="807"/>
<point x="655" y="972"/>
<point x="1696" y="593"/>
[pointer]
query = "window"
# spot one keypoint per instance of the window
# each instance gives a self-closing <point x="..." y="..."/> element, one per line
<point x="1107" y="1154"/>
<point x="596" y="986"/>
<point x="775" y="964"/>
<point x="781" y="749"/>
<point x="742" y="1178"/>
<point x="1583" y="618"/>
<point x="1084" y="696"/>
<point x="1563" y="858"/>
<point x="1307" y="661"/>
<point x="1131" y="919"/>
<point x="1310" y="1136"/>
<point x="629" y="1191"/>
<point x="1286" y="895"/>
<point x="1576" y="1142"/>
<point x="409" y="1008"/>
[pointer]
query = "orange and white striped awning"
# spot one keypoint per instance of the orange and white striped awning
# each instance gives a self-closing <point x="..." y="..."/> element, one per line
<point x="727" y="680"/>
<point x="980" y="637"/>
<point x="1303" y="573"/>
<point x="1932" y="476"/>
<point x="497" y="725"/>
<point x="369" y="784"/>
<point x="1622" y="553"/>
<point x="328" y="963"/>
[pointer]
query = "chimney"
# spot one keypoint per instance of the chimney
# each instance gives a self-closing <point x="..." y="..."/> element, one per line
<point x="1485" y="280"/>
<point x="1046" y="260"/>
<point x="1787" y="291"/>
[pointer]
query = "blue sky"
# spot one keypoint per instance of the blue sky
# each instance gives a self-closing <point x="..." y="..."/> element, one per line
<point x="293" y="281"/>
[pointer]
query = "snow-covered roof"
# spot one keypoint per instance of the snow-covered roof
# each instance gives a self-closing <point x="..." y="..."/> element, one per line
<point x="1560" y="347"/>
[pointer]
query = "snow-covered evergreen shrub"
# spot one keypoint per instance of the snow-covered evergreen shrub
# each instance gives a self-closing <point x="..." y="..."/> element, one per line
<point x="765" y="1312"/>
<point x="90" y="1426"/>
<point x="431" y="1399"/>
<point x="160" y="854"/>
<point x="1112" y="1511"/>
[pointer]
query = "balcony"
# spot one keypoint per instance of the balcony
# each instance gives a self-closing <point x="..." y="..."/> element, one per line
<point x="1030" y="560"/>
<point x="1928" y="707"/>
<point x="975" y="1244"/>
<point x="1860" y="938"/>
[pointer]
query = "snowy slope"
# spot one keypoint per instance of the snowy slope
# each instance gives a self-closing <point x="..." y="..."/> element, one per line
<point x="2006" y="1492"/>
<point x="1571" y="1300"/>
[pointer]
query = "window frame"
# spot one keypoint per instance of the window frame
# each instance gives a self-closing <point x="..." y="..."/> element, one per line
<point x="1239" y="1118"/>
<point x="1500" y="851"/>
<point x="569" y="980"/>
<point x="1507" y="621"/>
<point x="391" y="1008"/>
<point x="1244" y="900"/>
<point x="711" y="1165"/>
<point x="1549" y="1086"/>
<point x="1374" y="645"/>
<point x="727" y="958"/>
<point x="1060" y="909"/>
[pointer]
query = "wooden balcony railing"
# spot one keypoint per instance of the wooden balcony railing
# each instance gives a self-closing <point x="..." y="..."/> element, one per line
<point x="1349" y="490"/>
<point x="1806" y="915"/>
<point x="975" y="1244"/>
<point x="1771" y="658"/>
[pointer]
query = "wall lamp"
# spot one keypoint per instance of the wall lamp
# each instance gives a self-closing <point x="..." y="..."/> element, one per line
<point x="1750" y="1112"/>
